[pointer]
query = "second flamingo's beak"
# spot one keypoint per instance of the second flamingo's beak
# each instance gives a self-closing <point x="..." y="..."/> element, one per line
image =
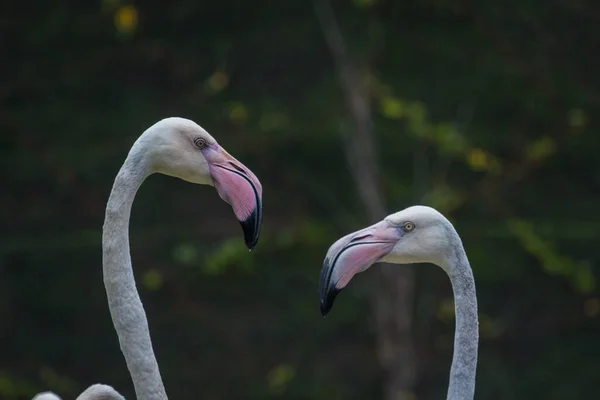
<point x="240" y="188"/>
<point x="352" y="254"/>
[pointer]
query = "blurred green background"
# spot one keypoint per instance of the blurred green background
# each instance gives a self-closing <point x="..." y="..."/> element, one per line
<point x="483" y="110"/>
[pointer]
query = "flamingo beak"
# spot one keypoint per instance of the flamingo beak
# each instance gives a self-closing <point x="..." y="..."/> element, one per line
<point x="238" y="187"/>
<point x="352" y="254"/>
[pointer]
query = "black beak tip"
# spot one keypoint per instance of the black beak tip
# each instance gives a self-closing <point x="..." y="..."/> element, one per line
<point x="251" y="228"/>
<point x="327" y="300"/>
<point x="325" y="309"/>
<point x="251" y="244"/>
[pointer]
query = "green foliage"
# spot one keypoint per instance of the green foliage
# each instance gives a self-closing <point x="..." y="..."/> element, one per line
<point x="230" y="253"/>
<point x="578" y="272"/>
<point x="13" y="388"/>
<point x="279" y="378"/>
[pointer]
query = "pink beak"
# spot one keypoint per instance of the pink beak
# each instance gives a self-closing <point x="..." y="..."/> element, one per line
<point x="239" y="187"/>
<point x="352" y="254"/>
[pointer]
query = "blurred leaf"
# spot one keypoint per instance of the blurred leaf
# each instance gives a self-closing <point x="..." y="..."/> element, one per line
<point x="448" y="139"/>
<point x="577" y="272"/>
<point x="7" y="388"/>
<point x="230" y="253"/>
<point x="279" y="377"/>
<point x="391" y="107"/>
<point x="478" y="159"/>
<point x="541" y="148"/>
<point x="577" y="118"/>
<point x="185" y="253"/>
<point x="584" y="277"/>
<point x="238" y="113"/>
<point x="443" y="198"/>
<point x="152" y="280"/>
<point x="126" y="19"/>
<point x="217" y="82"/>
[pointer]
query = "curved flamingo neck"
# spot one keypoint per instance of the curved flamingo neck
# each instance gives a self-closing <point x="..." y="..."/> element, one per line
<point x="126" y="309"/>
<point x="466" y="337"/>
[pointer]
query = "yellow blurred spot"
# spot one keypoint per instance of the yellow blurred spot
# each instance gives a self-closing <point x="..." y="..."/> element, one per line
<point x="218" y="81"/>
<point x="542" y="148"/>
<point x="238" y="113"/>
<point x="478" y="159"/>
<point x="591" y="307"/>
<point x="577" y="118"/>
<point x="152" y="279"/>
<point x="391" y="107"/>
<point x="279" y="377"/>
<point x="126" y="19"/>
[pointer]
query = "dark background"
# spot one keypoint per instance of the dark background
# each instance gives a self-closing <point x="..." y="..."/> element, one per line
<point x="485" y="111"/>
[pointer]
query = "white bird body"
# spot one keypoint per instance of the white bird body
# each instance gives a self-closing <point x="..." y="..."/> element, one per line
<point x="94" y="392"/>
<point x="46" y="396"/>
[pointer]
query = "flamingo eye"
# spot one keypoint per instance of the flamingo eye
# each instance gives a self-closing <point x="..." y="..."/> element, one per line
<point x="200" y="142"/>
<point x="408" y="226"/>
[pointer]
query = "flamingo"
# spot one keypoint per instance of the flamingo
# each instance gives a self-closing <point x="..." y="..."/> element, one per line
<point x="417" y="234"/>
<point x="180" y="148"/>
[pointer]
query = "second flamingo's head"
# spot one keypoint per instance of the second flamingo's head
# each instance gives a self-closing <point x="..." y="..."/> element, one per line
<point x="417" y="234"/>
<point x="181" y="148"/>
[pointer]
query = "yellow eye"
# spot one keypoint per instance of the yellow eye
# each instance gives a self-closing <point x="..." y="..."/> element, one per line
<point x="408" y="226"/>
